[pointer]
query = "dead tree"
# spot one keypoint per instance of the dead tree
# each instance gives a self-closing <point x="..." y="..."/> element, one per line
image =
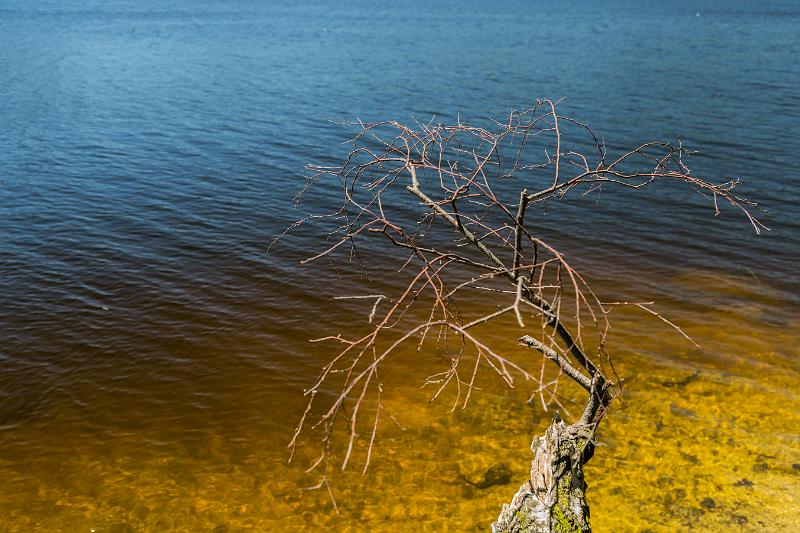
<point x="459" y="206"/>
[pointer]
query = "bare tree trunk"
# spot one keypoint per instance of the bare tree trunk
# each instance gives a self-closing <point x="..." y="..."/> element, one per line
<point x="554" y="498"/>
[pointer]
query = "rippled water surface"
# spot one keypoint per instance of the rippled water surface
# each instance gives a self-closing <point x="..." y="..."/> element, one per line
<point x="153" y="355"/>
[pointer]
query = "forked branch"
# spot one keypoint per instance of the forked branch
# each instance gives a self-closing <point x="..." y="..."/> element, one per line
<point x="460" y="207"/>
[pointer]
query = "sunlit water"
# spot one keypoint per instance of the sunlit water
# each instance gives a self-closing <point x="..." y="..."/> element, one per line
<point x="153" y="354"/>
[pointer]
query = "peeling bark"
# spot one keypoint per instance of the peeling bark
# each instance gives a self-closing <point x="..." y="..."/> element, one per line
<point x="554" y="498"/>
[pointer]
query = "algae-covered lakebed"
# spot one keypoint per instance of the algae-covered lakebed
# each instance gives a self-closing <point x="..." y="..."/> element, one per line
<point x="702" y="439"/>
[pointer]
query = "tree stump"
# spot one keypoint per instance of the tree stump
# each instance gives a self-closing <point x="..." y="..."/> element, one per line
<point x="554" y="498"/>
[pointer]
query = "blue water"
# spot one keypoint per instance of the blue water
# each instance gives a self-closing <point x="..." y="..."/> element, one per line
<point x="149" y="152"/>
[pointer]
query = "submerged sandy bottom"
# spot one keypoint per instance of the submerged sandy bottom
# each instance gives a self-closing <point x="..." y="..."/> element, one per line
<point x="702" y="440"/>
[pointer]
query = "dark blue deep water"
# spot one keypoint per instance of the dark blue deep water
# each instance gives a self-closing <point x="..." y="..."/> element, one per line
<point x="149" y="152"/>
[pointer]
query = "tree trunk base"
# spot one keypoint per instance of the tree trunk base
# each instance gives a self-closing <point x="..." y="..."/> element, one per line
<point x="554" y="498"/>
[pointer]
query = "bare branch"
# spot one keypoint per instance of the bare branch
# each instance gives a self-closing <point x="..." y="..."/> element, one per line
<point x="458" y="207"/>
<point x="565" y="366"/>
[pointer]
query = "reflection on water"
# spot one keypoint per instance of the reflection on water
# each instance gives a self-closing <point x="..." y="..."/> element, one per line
<point x="701" y="439"/>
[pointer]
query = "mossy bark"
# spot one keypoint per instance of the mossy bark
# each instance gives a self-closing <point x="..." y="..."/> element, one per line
<point x="554" y="498"/>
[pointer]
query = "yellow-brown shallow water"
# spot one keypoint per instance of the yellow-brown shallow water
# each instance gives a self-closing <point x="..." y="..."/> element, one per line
<point x="719" y="451"/>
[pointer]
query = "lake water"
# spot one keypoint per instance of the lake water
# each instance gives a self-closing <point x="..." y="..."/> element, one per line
<point x="153" y="355"/>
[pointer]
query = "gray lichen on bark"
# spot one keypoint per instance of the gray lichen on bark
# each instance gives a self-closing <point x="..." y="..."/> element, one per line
<point x="553" y="499"/>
